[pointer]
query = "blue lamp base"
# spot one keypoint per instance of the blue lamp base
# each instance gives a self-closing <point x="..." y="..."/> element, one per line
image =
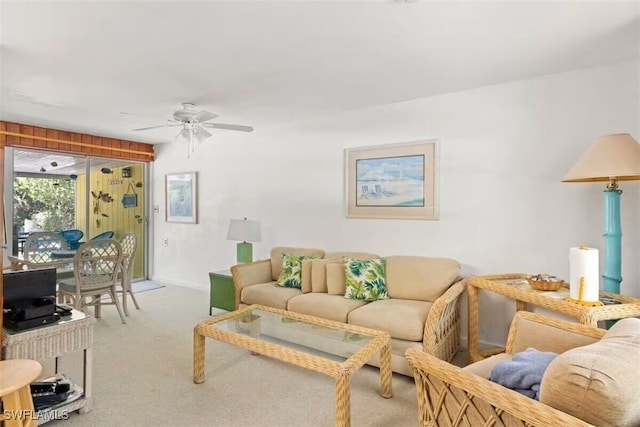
<point x="244" y="252"/>
<point x="612" y="242"/>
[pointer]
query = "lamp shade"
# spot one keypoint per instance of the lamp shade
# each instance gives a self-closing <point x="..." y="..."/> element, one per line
<point x="609" y="157"/>
<point x="244" y="230"/>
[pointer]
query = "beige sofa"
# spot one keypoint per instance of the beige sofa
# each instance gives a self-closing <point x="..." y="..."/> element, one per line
<point x="421" y="311"/>
<point x="594" y="381"/>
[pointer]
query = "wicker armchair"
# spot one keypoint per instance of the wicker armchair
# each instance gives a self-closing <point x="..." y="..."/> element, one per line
<point x="452" y="396"/>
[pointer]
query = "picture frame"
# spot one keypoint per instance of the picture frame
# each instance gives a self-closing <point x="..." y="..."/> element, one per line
<point x="181" y="197"/>
<point x="392" y="181"/>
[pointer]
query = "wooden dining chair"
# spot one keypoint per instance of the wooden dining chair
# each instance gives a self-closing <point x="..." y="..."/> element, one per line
<point x="95" y="269"/>
<point x="129" y="244"/>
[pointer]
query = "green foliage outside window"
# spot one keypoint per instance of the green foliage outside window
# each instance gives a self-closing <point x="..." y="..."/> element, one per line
<point x="49" y="202"/>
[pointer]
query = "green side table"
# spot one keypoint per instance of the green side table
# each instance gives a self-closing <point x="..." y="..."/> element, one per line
<point x="222" y="294"/>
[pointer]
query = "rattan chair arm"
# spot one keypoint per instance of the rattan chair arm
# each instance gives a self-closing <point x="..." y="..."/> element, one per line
<point x="445" y="390"/>
<point x="250" y="273"/>
<point x="545" y="326"/>
<point x="442" y="322"/>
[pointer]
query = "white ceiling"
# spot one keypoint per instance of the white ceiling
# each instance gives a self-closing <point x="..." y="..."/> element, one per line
<point x="78" y="65"/>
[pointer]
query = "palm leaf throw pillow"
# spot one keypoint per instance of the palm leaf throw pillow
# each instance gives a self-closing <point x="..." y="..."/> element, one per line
<point x="291" y="275"/>
<point x="364" y="279"/>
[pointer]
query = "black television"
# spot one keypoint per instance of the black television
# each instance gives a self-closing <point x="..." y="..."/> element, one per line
<point x="25" y="286"/>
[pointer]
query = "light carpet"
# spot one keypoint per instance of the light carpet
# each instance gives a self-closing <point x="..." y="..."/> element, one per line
<point x="137" y="287"/>
<point x="142" y="376"/>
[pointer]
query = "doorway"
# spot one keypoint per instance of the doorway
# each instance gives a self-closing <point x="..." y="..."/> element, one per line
<point x="91" y="195"/>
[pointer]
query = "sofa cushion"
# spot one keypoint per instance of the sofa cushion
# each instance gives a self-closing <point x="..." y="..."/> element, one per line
<point x="332" y="307"/>
<point x="336" y="282"/>
<point x="365" y="279"/>
<point x="305" y="275"/>
<point x="484" y="366"/>
<point x="276" y="257"/>
<point x="419" y="278"/>
<point x="319" y="274"/>
<point x="598" y="383"/>
<point x="291" y="273"/>
<point x="403" y="319"/>
<point x="268" y="294"/>
<point x="357" y="255"/>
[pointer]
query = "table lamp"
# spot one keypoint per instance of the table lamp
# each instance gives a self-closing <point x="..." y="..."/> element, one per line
<point x="611" y="158"/>
<point x="244" y="231"/>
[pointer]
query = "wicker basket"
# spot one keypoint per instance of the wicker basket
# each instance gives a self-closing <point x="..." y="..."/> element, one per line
<point x="543" y="285"/>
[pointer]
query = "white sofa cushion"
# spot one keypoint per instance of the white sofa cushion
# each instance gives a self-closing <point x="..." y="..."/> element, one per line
<point x="403" y="319"/>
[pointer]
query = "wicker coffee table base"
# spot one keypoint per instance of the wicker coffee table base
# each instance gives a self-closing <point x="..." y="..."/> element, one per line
<point x="341" y="372"/>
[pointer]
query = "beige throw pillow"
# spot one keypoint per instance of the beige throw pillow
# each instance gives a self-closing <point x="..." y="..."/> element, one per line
<point x="319" y="275"/>
<point x="335" y="279"/>
<point x="598" y="383"/>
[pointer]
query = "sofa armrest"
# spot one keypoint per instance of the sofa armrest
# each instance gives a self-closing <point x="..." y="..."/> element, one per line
<point x="441" y="337"/>
<point x="447" y="395"/>
<point x="546" y="333"/>
<point x="251" y="273"/>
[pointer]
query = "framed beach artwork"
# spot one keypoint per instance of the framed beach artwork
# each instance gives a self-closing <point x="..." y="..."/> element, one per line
<point x="392" y="181"/>
<point x="181" y="197"/>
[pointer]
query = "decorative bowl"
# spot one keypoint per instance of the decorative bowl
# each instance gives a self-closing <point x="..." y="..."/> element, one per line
<point x="544" y="282"/>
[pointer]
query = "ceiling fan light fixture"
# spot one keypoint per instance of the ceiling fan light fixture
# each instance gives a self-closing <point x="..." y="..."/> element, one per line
<point x="184" y="134"/>
<point x="200" y="134"/>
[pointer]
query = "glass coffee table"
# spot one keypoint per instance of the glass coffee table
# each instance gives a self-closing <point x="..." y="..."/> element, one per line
<point x="331" y="348"/>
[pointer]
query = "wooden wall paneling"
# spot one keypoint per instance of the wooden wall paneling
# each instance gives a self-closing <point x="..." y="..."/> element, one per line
<point x="21" y="135"/>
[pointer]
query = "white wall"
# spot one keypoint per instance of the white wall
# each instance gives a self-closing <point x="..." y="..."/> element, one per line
<point x="503" y="208"/>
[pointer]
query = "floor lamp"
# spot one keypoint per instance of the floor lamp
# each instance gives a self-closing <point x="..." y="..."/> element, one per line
<point x="610" y="159"/>
<point x="244" y="231"/>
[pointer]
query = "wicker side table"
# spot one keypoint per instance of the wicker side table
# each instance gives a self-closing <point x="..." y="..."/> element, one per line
<point x="516" y="287"/>
<point x="54" y="341"/>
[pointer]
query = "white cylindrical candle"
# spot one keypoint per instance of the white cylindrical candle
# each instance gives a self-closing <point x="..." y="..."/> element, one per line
<point x="584" y="268"/>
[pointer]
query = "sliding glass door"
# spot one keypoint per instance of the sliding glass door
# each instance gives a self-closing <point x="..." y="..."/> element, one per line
<point x="88" y="197"/>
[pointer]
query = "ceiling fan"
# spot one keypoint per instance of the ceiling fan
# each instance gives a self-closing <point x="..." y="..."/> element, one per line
<point x="194" y="124"/>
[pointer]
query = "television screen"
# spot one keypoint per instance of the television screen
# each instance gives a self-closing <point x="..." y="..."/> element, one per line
<point x="28" y="285"/>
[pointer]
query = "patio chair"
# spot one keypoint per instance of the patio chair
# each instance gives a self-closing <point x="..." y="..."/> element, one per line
<point x="103" y="235"/>
<point x="96" y="266"/>
<point x="129" y="244"/>
<point x="39" y="245"/>
<point x="72" y="237"/>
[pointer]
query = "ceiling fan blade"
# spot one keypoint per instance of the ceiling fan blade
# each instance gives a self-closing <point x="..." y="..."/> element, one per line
<point x="203" y="116"/>
<point x="228" y="127"/>
<point x="159" y="126"/>
<point x="200" y="133"/>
